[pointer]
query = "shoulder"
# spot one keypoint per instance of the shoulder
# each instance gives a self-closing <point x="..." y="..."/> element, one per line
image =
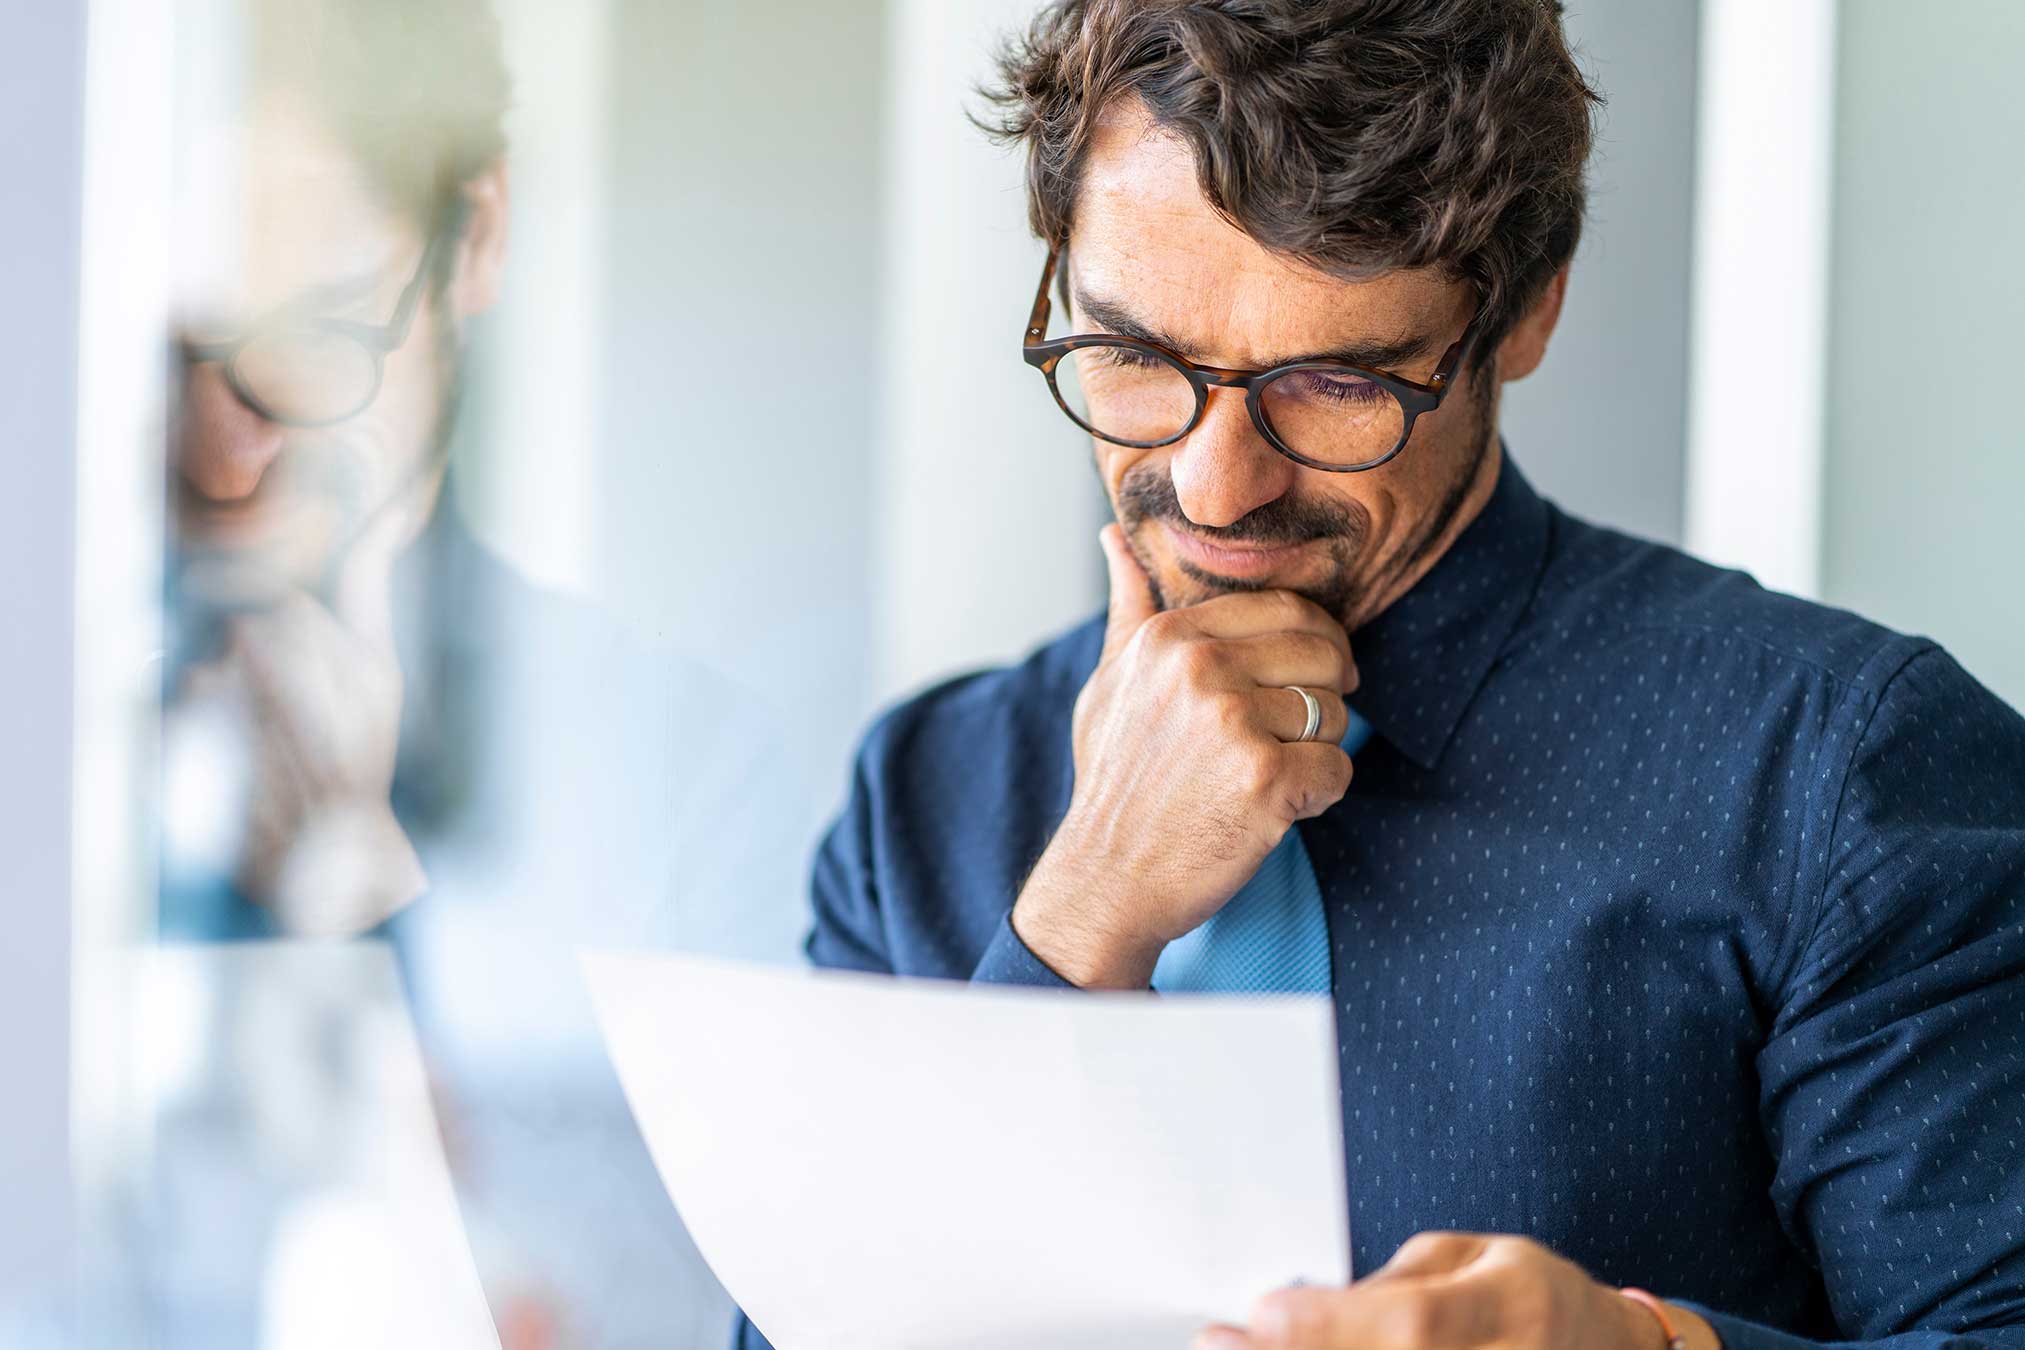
<point x="1632" y="590"/>
<point x="966" y="725"/>
<point x="954" y="794"/>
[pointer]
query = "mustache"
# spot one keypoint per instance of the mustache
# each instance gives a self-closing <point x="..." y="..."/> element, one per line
<point x="1147" y="494"/>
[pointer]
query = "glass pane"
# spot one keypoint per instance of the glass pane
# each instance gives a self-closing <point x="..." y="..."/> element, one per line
<point x="1125" y="393"/>
<point x="554" y="639"/>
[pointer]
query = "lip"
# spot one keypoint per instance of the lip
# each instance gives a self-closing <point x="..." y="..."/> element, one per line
<point x="1232" y="560"/>
<point x="232" y="522"/>
<point x="261" y="518"/>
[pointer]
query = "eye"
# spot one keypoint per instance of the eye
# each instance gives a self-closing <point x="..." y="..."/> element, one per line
<point x="1324" y="386"/>
<point x="1130" y="357"/>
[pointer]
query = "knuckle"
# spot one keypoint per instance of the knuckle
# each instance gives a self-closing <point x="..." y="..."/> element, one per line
<point x="1313" y="647"/>
<point x="1506" y="1249"/>
<point x="1258" y="771"/>
<point x="1287" y="608"/>
<point x="1413" y="1318"/>
<point x="1428" y="1245"/>
<point x="1200" y="662"/>
<point x="1344" y="769"/>
<point x="1229" y="712"/>
<point x="1164" y="627"/>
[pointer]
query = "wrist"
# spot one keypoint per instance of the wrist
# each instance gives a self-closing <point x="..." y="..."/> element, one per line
<point x="1694" y="1328"/>
<point x="1060" y="916"/>
<point x="349" y="868"/>
<point x="1652" y="1322"/>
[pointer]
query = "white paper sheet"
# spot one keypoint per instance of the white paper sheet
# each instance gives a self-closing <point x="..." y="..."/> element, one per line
<point x="878" y="1164"/>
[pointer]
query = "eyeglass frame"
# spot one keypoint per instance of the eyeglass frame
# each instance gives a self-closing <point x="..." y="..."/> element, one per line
<point x="1414" y="398"/>
<point x="379" y="339"/>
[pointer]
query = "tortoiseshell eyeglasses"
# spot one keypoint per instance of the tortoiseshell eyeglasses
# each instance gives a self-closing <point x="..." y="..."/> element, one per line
<point x="1328" y="415"/>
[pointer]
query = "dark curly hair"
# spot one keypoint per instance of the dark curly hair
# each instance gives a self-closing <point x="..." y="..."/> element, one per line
<point x="1356" y="136"/>
<point x="417" y="90"/>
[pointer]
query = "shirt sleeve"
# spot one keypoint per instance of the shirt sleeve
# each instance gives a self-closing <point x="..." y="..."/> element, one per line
<point x="1008" y="960"/>
<point x="848" y="929"/>
<point x="1893" y="1078"/>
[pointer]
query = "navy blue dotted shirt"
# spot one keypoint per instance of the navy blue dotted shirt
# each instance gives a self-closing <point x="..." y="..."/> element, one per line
<point x="1675" y="923"/>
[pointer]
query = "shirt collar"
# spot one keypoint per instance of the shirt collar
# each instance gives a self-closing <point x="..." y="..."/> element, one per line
<point x="1426" y="656"/>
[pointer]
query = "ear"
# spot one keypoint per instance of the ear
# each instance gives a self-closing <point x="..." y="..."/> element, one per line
<point x="1520" y="354"/>
<point x="481" y="253"/>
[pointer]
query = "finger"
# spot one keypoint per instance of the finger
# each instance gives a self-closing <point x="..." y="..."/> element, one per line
<point x="363" y="585"/>
<point x="1283" y="714"/>
<point x="1131" y="593"/>
<point x="311" y="678"/>
<point x="1313" y="777"/>
<point x="1220" y="1337"/>
<point x="1432" y="1253"/>
<point x="1313" y="1319"/>
<point x="286" y="657"/>
<point x="1255" y="613"/>
<point x="1276" y="660"/>
<point x="297" y="649"/>
<point x="1407" y="1315"/>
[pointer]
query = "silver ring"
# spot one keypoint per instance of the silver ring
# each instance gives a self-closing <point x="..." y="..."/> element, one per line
<point x="1314" y="726"/>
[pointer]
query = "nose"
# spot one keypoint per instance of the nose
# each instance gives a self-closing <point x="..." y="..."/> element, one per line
<point x="1224" y="469"/>
<point x="223" y="447"/>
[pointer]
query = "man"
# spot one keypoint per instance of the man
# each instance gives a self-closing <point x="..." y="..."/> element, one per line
<point x="1675" y="929"/>
<point x="373" y="726"/>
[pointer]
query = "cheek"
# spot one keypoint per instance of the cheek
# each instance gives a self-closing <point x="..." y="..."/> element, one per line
<point x="401" y="423"/>
<point x="1117" y="462"/>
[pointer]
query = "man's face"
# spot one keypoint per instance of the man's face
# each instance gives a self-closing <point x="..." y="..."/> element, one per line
<point x="1221" y="510"/>
<point x="274" y="216"/>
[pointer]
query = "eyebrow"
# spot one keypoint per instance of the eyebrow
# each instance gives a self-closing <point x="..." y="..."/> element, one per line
<point x="317" y="299"/>
<point x="1372" y="354"/>
<point x="340" y="293"/>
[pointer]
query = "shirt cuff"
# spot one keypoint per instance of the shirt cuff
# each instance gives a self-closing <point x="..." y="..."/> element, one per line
<point x="1737" y="1334"/>
<point x="1009" y="961"/>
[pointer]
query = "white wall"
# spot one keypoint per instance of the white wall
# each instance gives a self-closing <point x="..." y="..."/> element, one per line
<point x="1600" y="426"/>
<point x="1925" y="466"/>
<point x="988" y="506"/>
<point x="671" y="413"/>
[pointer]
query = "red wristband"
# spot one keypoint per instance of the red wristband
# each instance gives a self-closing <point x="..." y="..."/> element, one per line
<point x="1674" y="1340"/>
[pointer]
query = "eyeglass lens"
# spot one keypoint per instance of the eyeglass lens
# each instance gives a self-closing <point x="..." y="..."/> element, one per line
<point x="306" y="374"/>
<point x="1332" y="416"/>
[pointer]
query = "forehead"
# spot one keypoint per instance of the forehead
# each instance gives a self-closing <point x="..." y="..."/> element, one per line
<point x="1145" y="236"/>
<point x="267" y="204"/>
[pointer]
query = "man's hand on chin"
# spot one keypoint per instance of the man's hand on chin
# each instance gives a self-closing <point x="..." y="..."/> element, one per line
<point x="1447" y="1291"/>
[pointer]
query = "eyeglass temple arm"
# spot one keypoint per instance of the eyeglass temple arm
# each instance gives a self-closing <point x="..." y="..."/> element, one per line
<point x="396" y="330"/>
<point x="445" y="232"/>
<point x="1037" y="321"/>
<point x="1452" y="359"/>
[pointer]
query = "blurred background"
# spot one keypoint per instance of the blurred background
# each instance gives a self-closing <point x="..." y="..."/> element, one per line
<point x="743" y="452"/>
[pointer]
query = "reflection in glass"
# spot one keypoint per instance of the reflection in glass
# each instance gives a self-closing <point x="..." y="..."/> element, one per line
<point x="402" y="784"/>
